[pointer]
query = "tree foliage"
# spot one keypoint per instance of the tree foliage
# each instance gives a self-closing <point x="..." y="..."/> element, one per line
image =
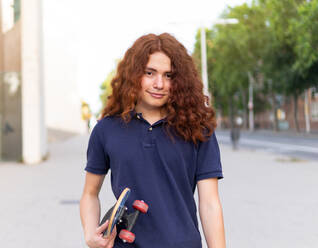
<point x="106" y="88"/>
<point x="274" y="45"/>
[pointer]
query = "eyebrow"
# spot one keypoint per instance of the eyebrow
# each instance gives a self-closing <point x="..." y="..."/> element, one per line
<point x="152" y="69"/>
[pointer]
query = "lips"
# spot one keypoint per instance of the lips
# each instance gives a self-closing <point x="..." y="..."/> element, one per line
<point x="156" y="95"/>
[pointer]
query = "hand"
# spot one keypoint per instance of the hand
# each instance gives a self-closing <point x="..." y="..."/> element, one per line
<point x="97" y="240"/>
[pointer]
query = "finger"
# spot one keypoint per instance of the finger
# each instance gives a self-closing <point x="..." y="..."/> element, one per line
<point x="111" y="243"/>
<point x="114" y="232"/>
<point x="103" y="227"/>
<point x="105" y="244"/>
<point x="111" y="238"/>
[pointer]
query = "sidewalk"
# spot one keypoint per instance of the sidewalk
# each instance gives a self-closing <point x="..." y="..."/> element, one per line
<point x="268" y="200"/>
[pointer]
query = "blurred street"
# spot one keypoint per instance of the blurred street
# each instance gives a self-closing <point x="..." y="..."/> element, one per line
<point x="269" y="199"/>
<point x="297" y="145"/>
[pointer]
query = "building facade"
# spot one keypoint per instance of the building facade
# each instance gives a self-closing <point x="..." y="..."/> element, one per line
<point x="10" y="84"/>
<point x="38" y="80"/>
<point x="307" y="113"/>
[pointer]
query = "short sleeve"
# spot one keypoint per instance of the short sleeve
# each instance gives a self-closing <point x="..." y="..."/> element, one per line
<point x="209" y="161"/>
<point x="97" y="159"/>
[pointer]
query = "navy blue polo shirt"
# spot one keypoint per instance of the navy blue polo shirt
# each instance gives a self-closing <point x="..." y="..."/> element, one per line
<point x="158" y="170"/>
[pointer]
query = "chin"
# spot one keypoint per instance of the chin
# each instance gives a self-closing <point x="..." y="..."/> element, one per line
<point x="156" y="105"/>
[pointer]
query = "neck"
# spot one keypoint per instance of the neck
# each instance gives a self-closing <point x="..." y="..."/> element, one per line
<point x="151" y="115"/>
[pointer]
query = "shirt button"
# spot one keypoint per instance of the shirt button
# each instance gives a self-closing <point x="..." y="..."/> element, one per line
<point x="150" y="128"/>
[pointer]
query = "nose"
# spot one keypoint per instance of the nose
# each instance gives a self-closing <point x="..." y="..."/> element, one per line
<point x="158" y="84"/>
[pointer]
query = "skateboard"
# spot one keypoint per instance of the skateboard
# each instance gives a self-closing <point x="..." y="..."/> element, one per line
<point x="118" y="215"/>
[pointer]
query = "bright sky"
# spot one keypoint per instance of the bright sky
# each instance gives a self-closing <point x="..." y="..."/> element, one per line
<point x="108" y="28"/>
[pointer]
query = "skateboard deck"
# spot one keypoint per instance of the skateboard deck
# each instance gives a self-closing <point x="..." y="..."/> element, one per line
<point x="117" y="210"/>
<point x="125" y="221"/>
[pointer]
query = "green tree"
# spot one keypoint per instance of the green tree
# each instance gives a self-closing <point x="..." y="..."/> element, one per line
<point x="278" y="57"/>
<point x="305" y="34"/>
<point x="234" y="52"/>
<point x="286" y="18"/>
<point x="274" y="46"/>
<point x="251" y="36"/>
<point x="106" y="88"/>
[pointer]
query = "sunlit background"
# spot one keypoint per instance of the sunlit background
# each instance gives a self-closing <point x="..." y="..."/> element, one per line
<point x="57" y="59"/>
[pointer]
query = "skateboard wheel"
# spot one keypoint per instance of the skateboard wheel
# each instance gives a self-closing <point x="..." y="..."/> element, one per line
<point x="127" y="236"/>
<point x="141" y="206"/>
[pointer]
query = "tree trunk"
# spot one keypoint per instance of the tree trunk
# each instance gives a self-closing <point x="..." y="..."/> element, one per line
<point x="274" y="108"/>
<point x="245" y="108"/>
<point x="296" y="112"/>
<point x="231" y="112"/>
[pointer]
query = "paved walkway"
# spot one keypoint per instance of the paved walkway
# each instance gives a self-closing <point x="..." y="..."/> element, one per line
<point x="268" y="200"/>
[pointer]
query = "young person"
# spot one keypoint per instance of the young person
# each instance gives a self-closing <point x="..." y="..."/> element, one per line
<point x="156" y="135"/>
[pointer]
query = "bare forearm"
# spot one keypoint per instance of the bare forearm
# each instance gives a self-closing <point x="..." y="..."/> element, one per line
<point x="90" y="213"/>
<point x="213" y="225"/>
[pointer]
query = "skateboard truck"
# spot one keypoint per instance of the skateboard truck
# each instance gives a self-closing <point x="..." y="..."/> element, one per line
<point x="118" y="215"/>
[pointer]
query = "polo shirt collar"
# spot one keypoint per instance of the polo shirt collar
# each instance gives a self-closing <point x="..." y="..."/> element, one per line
<point x="135" y="114"/>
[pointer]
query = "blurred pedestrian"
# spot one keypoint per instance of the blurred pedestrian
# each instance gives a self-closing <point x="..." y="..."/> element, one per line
<point x="235" y="132"/>
<point x="235" y="135"/>
<point x="156" y="135"/>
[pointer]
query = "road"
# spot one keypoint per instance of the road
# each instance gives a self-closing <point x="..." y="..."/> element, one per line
<point x="269" y="200"/>
<point x="295" y="145"/>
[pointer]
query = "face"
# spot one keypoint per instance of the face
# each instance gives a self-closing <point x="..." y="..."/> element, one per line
<point x="155" y="83"/>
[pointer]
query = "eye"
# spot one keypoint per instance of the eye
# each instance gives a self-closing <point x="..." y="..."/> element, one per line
<point x="168" y="75"/>
<point x="148" y="73"/>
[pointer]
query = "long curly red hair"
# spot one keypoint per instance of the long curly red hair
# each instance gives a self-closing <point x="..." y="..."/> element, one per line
<point x="188" y="112"/>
